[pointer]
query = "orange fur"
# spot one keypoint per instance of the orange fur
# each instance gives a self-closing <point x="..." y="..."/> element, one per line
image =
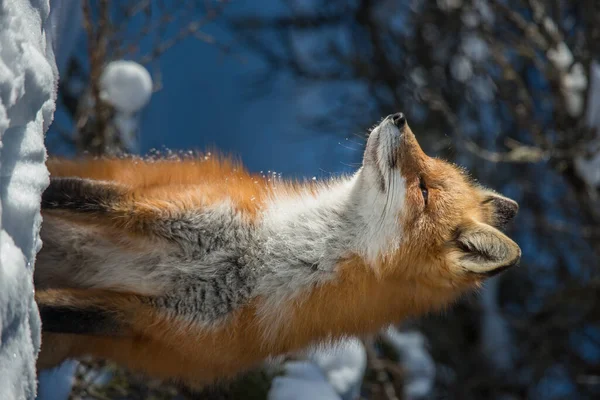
<point x="172" y="184"/>
<point x="359" y="302"/>
<point x="418" y="277"/>
<point x="164" y="187"/>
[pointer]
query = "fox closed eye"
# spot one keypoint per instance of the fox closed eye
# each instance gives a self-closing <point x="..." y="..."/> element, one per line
<point x="424" y="190"/>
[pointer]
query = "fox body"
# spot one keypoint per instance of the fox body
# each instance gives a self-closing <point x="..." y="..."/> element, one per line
<point x="195" y="270"/>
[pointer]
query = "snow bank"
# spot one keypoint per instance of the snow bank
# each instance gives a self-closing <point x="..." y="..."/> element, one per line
<point x="334" y="373"/>
<point x="496" y="340"/>
<point x="344" y="367"/>
<point x="337" y="373"/>
<point x="127" y="86"/>
<point x="588" y="165"/>
<point x="418" y="366"/>
<point x="57" y="383"/>
<point x="303" y="380"/>
<point x="28" y="78"/>
<point x="574" y="80"/>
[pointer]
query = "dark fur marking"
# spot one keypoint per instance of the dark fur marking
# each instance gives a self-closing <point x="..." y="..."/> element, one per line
<point x="500" y="269"/>
<point x="370" y="156"/>
<point x="81" y="195"/>
<point x="373" y="155"/>
<point x="504" y="210"/>
<point x="80" y="321"/>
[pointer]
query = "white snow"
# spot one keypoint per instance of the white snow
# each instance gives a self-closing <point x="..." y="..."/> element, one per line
<point x="127" y="126"/>
<point x="483" y="87"/>
<point x="56" y="384"/>
<point x="344" y="367"/>
<point x="418" y="365"/>
<point x="449" y="5"/>
<point x="417" y="75"/>
<point x="337" y="373"/>
<point x="561" y="56"/>
<point x="485" y="11"/>
<point x="574" y="84"/>
<point x="461" y="68"/>
<point x="592" y="118"/>
<point x="480" y="13"/>
<point x="475" y="47"/>
<point x="302" y="380"/>
<point x="470" y="18"/>
<point x="65" y="23"/>
<point x="588" y="165"/>
<point x="550" y="26"/>
<point x="333" y="373"/>
<point x="28" y="79"/>
<point x="496" y="341"/>
<point x="574" y="80"/>
<point x="126" y="85"/>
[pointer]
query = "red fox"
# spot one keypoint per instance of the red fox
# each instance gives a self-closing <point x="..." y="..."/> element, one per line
<point x="195" y="270"/>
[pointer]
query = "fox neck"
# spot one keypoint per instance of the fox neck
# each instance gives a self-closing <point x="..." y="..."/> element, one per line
<point x="331" y="281"/>
<point x="359" y="302"/>
<point x="346" y="217"/>
<point x="305" y="236"/>
<point x="308" y="232"/>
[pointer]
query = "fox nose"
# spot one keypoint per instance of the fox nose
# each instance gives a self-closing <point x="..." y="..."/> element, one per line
<point x="399" y="120"/>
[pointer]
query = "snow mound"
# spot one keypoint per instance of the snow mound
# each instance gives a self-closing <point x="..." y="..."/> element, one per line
<point x="496" y="339"/>
<point x="28" y="79"/>
<point x="587" y="165"/>
<point x="57" y="383"/>
<point x="303" y="380"/>
<point x="126" y="85"/>
<point x="574" y="80"/>
<point x="418" y="365"/>
<point x="333" y="373"/>
<point x="344" y="367"/>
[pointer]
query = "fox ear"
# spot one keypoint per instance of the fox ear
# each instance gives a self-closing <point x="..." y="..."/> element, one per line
<point x="483" y="249"/>
<point x="503" y="208"/>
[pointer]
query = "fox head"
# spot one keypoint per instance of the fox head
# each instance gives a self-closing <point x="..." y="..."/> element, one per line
<point x="424" y="217"/>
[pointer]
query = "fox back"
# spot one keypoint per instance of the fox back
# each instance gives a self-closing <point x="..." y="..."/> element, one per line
<point x="195" y="270"/>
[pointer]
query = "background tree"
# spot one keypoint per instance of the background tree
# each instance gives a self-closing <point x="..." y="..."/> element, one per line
<point x="137" y="30"/>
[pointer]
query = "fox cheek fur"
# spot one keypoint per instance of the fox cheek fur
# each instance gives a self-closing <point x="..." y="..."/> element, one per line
<point x="195" y="270"/>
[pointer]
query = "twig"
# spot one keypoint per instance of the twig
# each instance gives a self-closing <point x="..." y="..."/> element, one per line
<point x="380" y="370"/>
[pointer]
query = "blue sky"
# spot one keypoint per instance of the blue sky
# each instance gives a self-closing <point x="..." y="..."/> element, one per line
<point x="206" y="102"/>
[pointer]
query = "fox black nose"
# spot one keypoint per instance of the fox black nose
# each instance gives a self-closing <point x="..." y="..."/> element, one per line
<point x="399" y="120"/>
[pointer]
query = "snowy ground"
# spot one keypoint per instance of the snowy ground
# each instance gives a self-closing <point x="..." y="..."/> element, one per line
<point x="27" y="91"/>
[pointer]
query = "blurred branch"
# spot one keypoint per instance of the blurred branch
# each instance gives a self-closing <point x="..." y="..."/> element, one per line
<point x="192" y="29"/>
<point x="95" y="139"/>
<point x="114" y="30"/>
<point x="379" y="368"/>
